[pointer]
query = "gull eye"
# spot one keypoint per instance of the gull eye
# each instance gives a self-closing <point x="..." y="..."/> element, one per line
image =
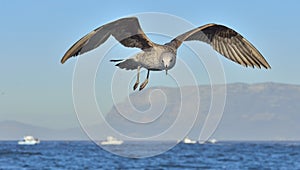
<point x="171" y="60"/>
<point x="162" y="61"/>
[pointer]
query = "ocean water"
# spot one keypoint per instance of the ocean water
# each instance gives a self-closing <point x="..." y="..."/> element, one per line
<point x="87" y="155"/>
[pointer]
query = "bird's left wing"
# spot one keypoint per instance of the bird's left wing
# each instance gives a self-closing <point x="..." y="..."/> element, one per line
<point x="227" y="42"/>
<point x="126" y="30"/>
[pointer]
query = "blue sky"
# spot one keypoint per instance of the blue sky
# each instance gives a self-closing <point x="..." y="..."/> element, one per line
<point x="35" y="88"/>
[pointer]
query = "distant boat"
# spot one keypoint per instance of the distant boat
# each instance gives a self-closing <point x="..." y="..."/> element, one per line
<point x="212" y="141"/>
<point x="111" y="141"/>
<point x="202" y="142"/>
<point x="29" y="140"/>
<point x="188" y="141"/>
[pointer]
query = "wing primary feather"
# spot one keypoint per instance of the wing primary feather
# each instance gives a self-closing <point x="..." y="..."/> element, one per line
<point x="236" y="57"/>
<point x="236" y="44"/>
<point x="244" y="58"/>
<point x="231" y="55"/>
<point x="226" y="54"/>
<point x="244" y="51"/>
<point x="255" y="53"/>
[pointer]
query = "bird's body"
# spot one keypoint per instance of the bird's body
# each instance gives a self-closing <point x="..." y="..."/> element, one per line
<point x="155" y="57"/>
<point x="152" y="59"/>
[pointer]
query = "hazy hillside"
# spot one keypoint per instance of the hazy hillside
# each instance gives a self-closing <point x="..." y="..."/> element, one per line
<point x="13" y="130"/>
<point x="266" y="111"/>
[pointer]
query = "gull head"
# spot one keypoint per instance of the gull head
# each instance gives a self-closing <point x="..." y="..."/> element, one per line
<point x="168" y="61"/>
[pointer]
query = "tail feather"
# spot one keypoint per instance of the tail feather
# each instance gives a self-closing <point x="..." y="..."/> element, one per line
<point x="116" y="60"/>
<point x="129" y="64"/>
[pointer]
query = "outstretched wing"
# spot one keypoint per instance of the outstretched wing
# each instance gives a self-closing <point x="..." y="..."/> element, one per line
<point x="126" y="30"/>
<point x="227" y="42"/>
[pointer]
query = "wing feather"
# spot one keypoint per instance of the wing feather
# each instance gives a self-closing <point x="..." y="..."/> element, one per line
<point x="126" y="30"/>
<point x="225" y="41"/>
<point x="253" y="62"/>
<point x="225" y="52"/>
<point x="232" y="55"/>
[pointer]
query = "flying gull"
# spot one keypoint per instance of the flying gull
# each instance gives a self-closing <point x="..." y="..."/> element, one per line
<point x="156" y="57"/>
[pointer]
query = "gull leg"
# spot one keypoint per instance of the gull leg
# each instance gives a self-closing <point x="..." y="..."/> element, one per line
<point x="137" y="79"/>
<point x="143" y="85"/>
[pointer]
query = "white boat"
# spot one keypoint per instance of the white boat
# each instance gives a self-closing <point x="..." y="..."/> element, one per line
<point x="213" y="141"/>
<point x="202" y="142"/>
<point x="188" y="141"/>
<point x="111" y="141"/>
<point x="29" y="140"/>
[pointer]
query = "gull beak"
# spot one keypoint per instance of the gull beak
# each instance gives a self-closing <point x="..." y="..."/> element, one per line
<point x="166" y="70"/>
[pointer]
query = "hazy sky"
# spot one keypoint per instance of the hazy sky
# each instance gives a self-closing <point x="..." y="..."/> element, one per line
<point x="35" y="88"/>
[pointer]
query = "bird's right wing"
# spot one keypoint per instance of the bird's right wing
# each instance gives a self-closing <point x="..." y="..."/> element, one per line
<point x="126" y="30"/>
<point x="227" y="42"/>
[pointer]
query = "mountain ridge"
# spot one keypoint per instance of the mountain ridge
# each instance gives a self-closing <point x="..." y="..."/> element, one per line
<point x="258" y="111"/>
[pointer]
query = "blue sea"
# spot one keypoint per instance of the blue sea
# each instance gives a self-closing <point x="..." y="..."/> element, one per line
<point x="88" y="155"/>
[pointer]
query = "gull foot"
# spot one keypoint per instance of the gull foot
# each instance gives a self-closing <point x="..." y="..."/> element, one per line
<point x="143" y="85"/>
<point x="135" y="85"/>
